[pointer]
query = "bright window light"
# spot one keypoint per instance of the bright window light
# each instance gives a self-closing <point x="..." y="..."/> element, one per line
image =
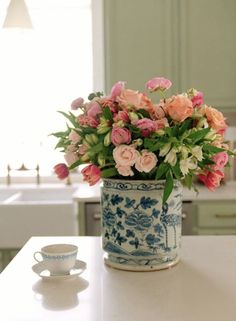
<point x="41" y="71"/>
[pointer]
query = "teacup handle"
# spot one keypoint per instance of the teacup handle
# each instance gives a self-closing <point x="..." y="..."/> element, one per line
<point x="35" y="256"/>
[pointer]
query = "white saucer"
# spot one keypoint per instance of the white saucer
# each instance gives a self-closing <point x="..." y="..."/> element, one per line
<point x="41" y="270"/>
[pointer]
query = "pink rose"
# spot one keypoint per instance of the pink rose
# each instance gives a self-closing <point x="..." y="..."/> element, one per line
<point x="91" y="174"/>
<point x="214" y="118"/>
<point x="93" y="109"/>
<point x="77" y="103"/>
<point x="122" y="115"/>
<point x="179" y="108"/>
<point x="158" y="83"/>
<point x="87" y="121"/>
<point x="146" y="125"/>
<point x="197" y="100"/>
<point x="120" y="136"/>
<point x="146" y="161"/>
<point x="211" y="179"/>
<point x="116" y="90"/>
<point x="61" y="170"/>
<point x="70" y="158"/>
<point x="220" y="159"/>
<point x="125" y="155"/>
<point x="124" y="170"/>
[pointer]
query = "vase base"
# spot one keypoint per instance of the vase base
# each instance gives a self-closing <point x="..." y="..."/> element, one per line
<point x="141" y="268"/>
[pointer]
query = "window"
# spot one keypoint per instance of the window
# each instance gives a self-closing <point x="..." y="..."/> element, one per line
<point x="41" y="71"/>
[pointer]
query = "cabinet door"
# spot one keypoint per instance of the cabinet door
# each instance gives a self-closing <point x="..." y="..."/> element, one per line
<point x="93" y="219"/>
<point x="207" y="49"/>
<point x="217" y="215"/>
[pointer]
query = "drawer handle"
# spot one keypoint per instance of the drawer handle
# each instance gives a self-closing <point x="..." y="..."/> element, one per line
<point x="97" y="216"/>
<point x="225" y="215"/>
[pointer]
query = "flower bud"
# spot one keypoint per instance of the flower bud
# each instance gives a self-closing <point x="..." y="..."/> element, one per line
<point x="101" y="159"/>
<point x="133" y="116"/>
<point x="137" y="142"/>
<point x="107" y="139"/>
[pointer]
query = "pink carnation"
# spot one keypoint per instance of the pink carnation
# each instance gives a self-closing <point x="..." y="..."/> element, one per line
<point x="91" y="174"/>
<point x="87" y="121"/>
<point x="197" y="100"/>
<point x="77" y="103"/>
<point x="158" y="83"/>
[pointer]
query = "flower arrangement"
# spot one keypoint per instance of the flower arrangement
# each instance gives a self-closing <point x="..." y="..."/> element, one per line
<point x="128" y="135"/>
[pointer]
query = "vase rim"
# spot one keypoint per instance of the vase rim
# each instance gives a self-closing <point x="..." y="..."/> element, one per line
<point x="140" y="181"/>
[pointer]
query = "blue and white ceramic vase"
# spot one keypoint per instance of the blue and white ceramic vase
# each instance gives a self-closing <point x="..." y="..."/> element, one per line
<point x="139" y="233"/>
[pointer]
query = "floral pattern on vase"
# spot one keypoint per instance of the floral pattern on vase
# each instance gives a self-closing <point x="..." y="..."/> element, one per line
<point x="138" y="231"/>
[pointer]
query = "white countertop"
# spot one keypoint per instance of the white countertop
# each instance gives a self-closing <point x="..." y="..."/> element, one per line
<point x="201" y="287"/>
<point x="86" y="193"/>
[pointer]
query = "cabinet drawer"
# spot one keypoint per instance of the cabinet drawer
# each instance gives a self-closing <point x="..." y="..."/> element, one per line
<point x="217" y="215"/>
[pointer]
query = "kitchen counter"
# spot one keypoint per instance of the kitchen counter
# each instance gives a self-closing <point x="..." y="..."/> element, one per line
<point x="86" y="193"/>
<point x="202" y="286"/>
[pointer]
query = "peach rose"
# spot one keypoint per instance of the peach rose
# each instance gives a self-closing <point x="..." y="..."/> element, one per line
<point x="125" y="170"/>
<point x="179" y="108"/>
<point x="214" y="117"/>
<point x="134" y="99"/>
<point x="146" y="161"/>
<point x="158" y="111"/>
<point x="125" y="155"/>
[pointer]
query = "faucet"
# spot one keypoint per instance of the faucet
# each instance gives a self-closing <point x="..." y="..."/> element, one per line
<point x="22" y="168"/>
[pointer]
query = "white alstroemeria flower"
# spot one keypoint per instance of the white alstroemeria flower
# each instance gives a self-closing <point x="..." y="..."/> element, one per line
<point x="187" y="164"/>
<point x="211" y="135"/>
<point x="171" y="157"/>
<point x="165" y="149"/>
<point x="184" y="151"/>
<point x="197" y="152"/>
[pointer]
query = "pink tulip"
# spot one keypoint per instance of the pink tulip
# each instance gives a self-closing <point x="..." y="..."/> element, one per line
<point x="117" y="89"/>
<point x="93" y="109"/>
<point x="91" y="174"/>
<point x="61" y="170"/>
<point x="211" y="179"/>
<point x="158" y="83"/>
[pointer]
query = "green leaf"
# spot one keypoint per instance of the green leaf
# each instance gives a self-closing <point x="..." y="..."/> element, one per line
<point x="176" y="170"/>
<point x="168" y="186"/>
<point x="96" y="148"/>
<point x="134" y="129"/>
<point x="93" y="95"/>
<point x="70" y="117"/>
<point x="109" y="172"/>
<point x="186" y="125"/>
<point x="198" y="135"/>
<point x="75" y="164"/>
<point x="161" y="170"/>
<point x="107" y="113"/>
<point x="144" y="113"/>
<point x="212" y="149"/>
<point x="153" y="144"/>
<point x="188" y="181"/>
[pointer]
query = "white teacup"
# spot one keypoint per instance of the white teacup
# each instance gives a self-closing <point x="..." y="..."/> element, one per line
<point x="58" y="258"/>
